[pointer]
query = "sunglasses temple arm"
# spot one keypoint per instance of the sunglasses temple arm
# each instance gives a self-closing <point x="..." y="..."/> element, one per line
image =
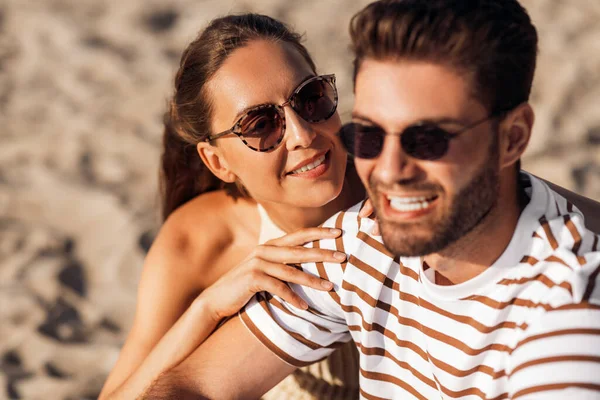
<point x="218" y="135"/>
<point x="481" y="121"/>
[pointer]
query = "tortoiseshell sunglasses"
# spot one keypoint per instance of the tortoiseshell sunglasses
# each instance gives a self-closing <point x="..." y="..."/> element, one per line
<point x="261" y="128"/>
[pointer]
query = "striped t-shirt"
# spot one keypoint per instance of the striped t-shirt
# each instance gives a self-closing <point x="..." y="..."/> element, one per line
<point x="528" y="327"/>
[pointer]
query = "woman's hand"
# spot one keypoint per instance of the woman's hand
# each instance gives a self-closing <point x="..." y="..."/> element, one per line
<point x="265" y="269"/>
<point x="268" y="268"/>
<point x="367" y="211"/>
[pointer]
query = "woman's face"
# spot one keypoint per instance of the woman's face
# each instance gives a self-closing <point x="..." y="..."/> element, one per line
<point x="267" y="72"/>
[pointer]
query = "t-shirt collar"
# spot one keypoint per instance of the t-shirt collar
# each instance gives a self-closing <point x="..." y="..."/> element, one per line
<point x="519" y="245"/>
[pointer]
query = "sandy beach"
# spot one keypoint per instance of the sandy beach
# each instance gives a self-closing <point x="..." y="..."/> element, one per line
<point x="83" y="85"/>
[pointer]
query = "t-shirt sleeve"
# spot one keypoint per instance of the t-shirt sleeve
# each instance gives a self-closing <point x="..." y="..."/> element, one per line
<point x="559" y="355"/>
<point x="302" y="337"/>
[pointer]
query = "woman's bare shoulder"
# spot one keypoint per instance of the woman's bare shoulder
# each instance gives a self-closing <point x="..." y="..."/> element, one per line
<point x="184" y="259"/>
<point x="189" y="223"/>
<point x="197" y="236"/>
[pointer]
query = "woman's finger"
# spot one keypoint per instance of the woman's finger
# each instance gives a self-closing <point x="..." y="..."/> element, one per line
<point x="375" y="230"/>
<point x="278" y="288"/>
<point x="295" y="275"/>
<point x="306" y="235"/>
<point x="367" y="209"/>
<point x="297" y="254"/>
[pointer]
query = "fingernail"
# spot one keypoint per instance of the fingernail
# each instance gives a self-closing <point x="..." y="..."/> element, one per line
<point x="375" y="230"/>
<point x="339" y="256"/>
<point x="327" y="285"/>
<point x="335" y="231"/>
<point x="304" y="305"/>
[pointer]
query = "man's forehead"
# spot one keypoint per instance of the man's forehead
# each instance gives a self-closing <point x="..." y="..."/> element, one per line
<point x="408" y="90"/>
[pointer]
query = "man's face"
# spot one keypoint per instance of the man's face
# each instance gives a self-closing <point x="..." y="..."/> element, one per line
<point x="424" y="206"/>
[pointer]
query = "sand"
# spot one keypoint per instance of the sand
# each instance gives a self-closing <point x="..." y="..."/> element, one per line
<point x="83" y="84"/>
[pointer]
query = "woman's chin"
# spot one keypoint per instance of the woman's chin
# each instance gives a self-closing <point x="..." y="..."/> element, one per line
<point x="316" y="197"/>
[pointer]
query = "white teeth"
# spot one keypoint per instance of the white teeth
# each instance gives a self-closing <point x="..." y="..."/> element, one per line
<point x="402" y="207"/>
<point x="310" y="166"/>
<point x="407" y="204"/>
<point x="407" y="199"/>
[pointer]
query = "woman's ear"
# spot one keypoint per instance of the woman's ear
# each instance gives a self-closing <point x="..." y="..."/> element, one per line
<point x="213" y="158"/>
<point x="515" y="131"/>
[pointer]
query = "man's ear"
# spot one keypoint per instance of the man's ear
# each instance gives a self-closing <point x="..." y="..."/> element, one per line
<point x="515" y="131"/>
<point x="213" y="158"/>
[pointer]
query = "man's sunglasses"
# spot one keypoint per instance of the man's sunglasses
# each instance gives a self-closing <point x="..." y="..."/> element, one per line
<point x="261" y="128"/>
<point x="424" y="141"/>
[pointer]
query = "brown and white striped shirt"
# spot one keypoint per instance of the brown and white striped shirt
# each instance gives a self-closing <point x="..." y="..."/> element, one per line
<point x="528" y="327"/>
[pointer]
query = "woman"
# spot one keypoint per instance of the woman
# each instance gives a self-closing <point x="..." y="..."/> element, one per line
<point x="287" y="172"/>
<point x="250" y="153"/>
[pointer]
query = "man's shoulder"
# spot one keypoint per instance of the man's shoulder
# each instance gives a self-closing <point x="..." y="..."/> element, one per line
<point x="559" y="280"/>
<point x="567" y="254"/>
<point x="353" y="227"/>
<point x="559" y="257"/>
<point x="348" y="220"/>
<point x="560" y="229"/>
<point x="357" y="239"/>
<point x="581" y="275"/>
<point x="362" y="250"/>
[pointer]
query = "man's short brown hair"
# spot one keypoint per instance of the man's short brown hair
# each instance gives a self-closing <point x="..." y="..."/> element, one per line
<point x="491" y="41"/>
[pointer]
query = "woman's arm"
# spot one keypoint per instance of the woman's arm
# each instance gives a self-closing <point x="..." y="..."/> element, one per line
<point x="168" y="285"/>
<point x="191" y="330"/>
<point x="263" y="270"/>
<point x="231" y="364"/>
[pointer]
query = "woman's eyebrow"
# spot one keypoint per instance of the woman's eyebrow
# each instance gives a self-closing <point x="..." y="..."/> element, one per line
<point x="244" y="110"/>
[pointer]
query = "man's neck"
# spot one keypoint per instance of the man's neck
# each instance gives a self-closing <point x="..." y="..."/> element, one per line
<point x="480" y="248"/>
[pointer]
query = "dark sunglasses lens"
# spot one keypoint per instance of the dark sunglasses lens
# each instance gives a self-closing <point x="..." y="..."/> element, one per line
<point x="425" y="142"/>
<point x="316" y="101"/>
<point x="262" y="128"/>
<point x="362" y="141"/>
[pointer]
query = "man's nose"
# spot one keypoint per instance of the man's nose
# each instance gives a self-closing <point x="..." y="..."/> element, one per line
<point x="393" y="165"/>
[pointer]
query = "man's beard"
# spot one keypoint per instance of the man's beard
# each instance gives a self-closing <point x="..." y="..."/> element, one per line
<point x="467" y="210"/>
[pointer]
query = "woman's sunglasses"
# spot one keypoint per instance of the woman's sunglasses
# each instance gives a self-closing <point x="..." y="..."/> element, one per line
<point x="424" y="141"/>
<point x="261" y="128"/>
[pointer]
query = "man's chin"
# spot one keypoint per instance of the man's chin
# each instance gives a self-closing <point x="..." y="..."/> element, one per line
<point x="407" y="245"/>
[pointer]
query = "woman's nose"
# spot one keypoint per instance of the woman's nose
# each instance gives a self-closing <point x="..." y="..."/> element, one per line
<point x="298" y="132"/>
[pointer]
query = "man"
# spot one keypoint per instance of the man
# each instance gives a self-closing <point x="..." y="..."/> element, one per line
<point x="487" y="287"/>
